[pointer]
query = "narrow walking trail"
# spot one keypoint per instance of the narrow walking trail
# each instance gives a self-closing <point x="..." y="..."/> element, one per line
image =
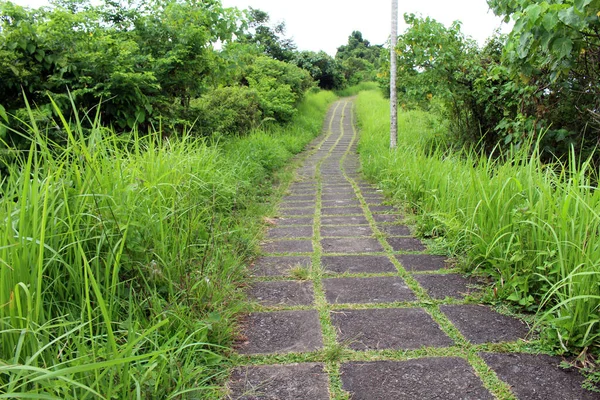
<point x="350" y="305"/>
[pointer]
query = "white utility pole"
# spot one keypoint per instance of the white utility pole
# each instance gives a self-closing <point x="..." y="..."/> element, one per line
<point x="393" y="67"/>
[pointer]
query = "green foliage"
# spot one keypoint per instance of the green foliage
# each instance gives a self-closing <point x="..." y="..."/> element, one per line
<point x="279" y="85"/>
<point x="487" y="101"/>
<point x="555" y="47"/>
<point x="270" y="39"/>
<point x="532" y="226"/>
<point x="227" y="110"/>
<point x="121" y="257"/>
<point x="146" y="65"/>
<point x="356" y="89"/>
<point x="323" y="68"/>
<point x="137" y="62"/>
<point x="359" y="59"/>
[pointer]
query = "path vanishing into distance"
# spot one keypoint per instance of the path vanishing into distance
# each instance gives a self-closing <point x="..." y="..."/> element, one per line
<point x="350" y="305"/>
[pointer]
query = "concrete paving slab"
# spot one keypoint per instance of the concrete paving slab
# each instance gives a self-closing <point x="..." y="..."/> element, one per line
<point x="439" y="378"/>
<point x="340" y="203"/>
<point x="302" y="191"/>
<point x="292" y="212"/>
<point x="357" y="264"/>
<point x="281" y="332"/>
<point x="348" y="220"/>
<point x="422" y="262"/>
<point x="279" y="265"/>
<point x="480" y="324"/>
<point x="299" y="197"/>
<point x="379" y="289"/>
<point x="297" y="204"/>
<point x="374" y="197"/>
<point x="289" y="232"/>
<point x="351" y="245"/>
<point x="341" y="211"/>
<point x="388" y="328"/>
<point x="395" y="230"/>
<point x="288" y="246"/>
<point x="282" y="293"/>
<point x="449" y="285"/>
<point x="538" y="377"/>
<point x="405" y="244"/>
<point x="291" y="221"/>
<point x="338" y="196"/>
<point x="387" y="218"/>
<point x="346" y="231"/>
<point x="382" y="209"/>
<point x="279" y="382"/>
<point x="339" y="189"/>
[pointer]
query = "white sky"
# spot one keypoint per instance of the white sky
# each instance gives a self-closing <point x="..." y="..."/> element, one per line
<point x="326" y="24"/>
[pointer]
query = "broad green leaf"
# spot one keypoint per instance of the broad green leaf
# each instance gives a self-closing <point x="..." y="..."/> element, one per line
<point x="562" y="47"/>
<point x="569" y="16"/>
<point x="524" y="44"/>
<point x="549" y="22"/>
<point x="3" y="113"/>
<point x="533" y="12"/>
<point x="581" y="4"/>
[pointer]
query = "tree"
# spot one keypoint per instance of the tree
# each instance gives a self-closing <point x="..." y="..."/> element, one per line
<point x="323" y="68"/>
<point x="358" y="58"/>
<point x="270" y="39"/>
<point x="555" y="46"/>
<point x="138" y="60"/>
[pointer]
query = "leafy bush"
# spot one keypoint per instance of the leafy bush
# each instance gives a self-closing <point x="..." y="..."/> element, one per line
<point x="538" y="84"/>
<point x="280" y="86"/>
<point x="323" y="68"/>
<point x="226" y="110"/>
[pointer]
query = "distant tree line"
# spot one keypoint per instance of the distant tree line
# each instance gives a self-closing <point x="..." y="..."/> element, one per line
<point x="181" y="65"/>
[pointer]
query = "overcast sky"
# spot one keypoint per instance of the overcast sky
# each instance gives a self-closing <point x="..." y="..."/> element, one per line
<point x="326" y="24"/>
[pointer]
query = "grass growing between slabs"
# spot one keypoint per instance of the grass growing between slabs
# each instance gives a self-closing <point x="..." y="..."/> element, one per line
<point x="533" y="227"/>
<point x="120" y="257"/>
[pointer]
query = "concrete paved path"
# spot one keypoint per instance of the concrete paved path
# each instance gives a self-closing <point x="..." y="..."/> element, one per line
<point x="350" y="305"/>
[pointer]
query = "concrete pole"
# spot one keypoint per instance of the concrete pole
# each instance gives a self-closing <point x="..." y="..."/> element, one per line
<point x="393" y="67"/>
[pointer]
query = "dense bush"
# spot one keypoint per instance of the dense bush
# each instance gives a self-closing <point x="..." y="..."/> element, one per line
<point x="323" y="68"/>
<point x="226" y="110"/>
<point x="280" y="86"/>
<point x="507" y="93"/>
<point x="140" y="63"/>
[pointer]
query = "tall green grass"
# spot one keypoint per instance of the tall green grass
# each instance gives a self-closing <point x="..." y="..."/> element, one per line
<point x="356" y="89"/>
<point x="534" y="227"/>
<point x="120" y="257"/>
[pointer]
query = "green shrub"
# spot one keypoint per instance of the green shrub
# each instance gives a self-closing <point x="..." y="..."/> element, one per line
<point x="227" y="110"/>
<point x="280" y="86"/>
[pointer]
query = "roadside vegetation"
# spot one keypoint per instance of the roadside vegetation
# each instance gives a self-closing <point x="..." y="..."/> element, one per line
<point x="122" y="255"/>
<point x="139" y="143"/>
<point x="529" y="225"/>
<point x="498" y="156"/>
<point x="137" y="161"/>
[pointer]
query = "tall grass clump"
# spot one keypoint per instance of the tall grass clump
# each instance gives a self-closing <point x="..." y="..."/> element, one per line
<point x="120" y="257"/>
<point x="356" y="89"/>
<point x="534" y="227"/>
